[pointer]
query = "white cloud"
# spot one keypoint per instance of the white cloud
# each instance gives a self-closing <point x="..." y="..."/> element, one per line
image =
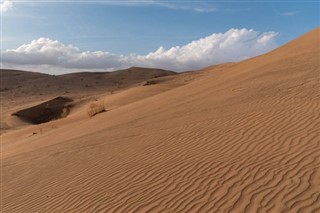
<point x="200" y="7"/>
<point x="191" y="6"/>
<point x="233" y="45"/>
<point x="45" y="51"/>
<point x="290" y="13"/>
<point x="5" y="5"/>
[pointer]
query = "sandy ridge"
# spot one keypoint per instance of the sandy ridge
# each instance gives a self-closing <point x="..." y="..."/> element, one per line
<point x="244" y="138"/>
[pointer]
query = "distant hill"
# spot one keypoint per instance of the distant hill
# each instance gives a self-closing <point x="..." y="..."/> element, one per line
<point x="35" y="83"/>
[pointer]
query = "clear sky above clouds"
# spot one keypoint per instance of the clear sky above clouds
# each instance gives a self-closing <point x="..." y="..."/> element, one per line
<point x="62" y="36"/>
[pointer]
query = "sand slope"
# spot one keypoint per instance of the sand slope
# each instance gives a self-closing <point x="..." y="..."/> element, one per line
<point x="244" y="137"/>
<point x="20" y="89"/>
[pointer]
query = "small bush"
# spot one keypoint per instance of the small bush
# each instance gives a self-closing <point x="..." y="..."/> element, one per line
<point x="150" y="82"/>
<point x="96" y="108"/>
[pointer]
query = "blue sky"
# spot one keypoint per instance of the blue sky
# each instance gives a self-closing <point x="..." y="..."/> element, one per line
<point x="121" y="28"/>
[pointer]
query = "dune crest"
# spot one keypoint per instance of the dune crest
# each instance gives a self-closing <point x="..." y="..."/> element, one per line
<point x="240" y="137"/>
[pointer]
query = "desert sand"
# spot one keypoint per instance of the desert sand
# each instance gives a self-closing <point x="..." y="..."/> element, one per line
<point x="236" y="137"/>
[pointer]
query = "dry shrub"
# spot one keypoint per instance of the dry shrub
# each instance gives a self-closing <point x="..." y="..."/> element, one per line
<point x="96" y="108"/>
<point x="149" y="82"/>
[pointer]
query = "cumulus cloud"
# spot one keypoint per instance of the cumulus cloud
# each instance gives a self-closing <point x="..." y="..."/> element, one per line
<point x="5" y="5"/>
<point x="231" y="46"/>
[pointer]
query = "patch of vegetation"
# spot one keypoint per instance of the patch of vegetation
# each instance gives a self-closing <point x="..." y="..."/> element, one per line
<point x="96" y="108"/>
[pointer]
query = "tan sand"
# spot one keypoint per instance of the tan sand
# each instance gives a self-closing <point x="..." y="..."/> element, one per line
<point x="20" y="90"/>
<point x="239" y="137"/>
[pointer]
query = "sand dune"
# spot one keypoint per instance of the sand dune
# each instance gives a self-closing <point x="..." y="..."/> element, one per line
<point x="21" y="90"/>
<point x="240" y="137"/>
